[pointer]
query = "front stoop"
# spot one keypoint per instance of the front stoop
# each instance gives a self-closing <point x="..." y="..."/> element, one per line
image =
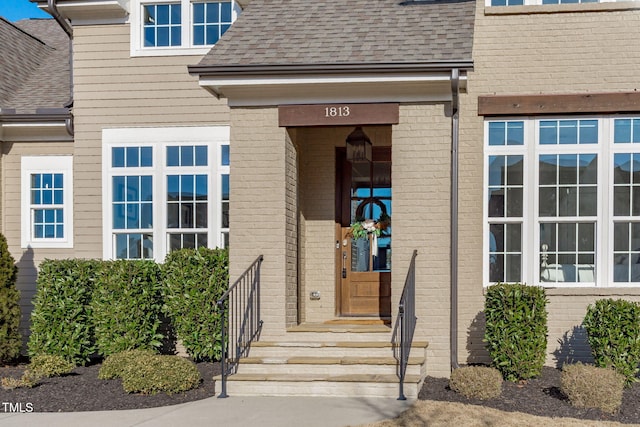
<point x="329" y="368"/>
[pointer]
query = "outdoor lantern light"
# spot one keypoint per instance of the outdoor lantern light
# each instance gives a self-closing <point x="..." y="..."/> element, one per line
<point x="359" y="147"/>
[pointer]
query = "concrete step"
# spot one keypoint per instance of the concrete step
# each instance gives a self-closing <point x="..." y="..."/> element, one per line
<point x="320" y="385"/>
<point x="328" y="365"/>
<point x="333" y="348"/>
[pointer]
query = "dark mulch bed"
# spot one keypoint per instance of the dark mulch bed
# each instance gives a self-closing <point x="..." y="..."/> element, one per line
<point x="540" y="396"/>
<point x="83" y="391"/>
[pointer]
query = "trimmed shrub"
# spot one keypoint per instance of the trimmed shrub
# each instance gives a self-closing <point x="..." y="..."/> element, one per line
<point x="10" y="337"/>
<point x="194" y="279"/>
<point x="516" y="329"/>
<point x="114" y="365"/>
<point x="127" y="306"/>
<point x="61" y="318"/>
<point x="613" y="330"/>
<point x="48" y="365"/>
<point x="588" y="386"/>
<point x="154" y="374"/>
<point x="476" y="382"/>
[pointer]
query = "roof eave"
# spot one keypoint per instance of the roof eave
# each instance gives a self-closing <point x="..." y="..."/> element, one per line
<point x="341" y="68"/>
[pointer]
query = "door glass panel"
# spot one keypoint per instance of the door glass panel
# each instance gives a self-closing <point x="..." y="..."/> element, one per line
<point x="371" y="216"/>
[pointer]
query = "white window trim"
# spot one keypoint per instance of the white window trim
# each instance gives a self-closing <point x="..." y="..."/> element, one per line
<point x="46" y="164"/>
<point x="158" y="139"/>
<point x="605" y="149"/>
<point x="187" y="47"/>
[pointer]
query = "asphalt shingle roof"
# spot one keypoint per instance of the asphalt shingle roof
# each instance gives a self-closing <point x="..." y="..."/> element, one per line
<point x="35" y="65"/>
<point x="296" y="32"/>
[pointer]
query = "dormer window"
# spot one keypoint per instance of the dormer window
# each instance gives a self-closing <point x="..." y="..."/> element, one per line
<point x="180" y="27"/>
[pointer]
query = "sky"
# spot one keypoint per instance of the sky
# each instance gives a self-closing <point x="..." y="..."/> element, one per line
<point x="14" y="10"/>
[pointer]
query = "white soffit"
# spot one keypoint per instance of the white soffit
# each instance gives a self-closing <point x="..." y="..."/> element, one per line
<point x="305" y="89"/>
<point x="92" y="10"/>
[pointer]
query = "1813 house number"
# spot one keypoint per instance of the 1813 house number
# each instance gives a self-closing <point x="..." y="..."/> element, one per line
<point x="337" y="111"/>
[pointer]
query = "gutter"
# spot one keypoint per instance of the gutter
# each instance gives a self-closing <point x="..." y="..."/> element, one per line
<point x="53" y="9"/>
<point x="276" y="69"/>
<point x="455" y="132"/>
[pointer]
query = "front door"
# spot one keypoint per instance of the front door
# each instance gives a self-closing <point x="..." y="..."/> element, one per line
<point x="363" y="235"/>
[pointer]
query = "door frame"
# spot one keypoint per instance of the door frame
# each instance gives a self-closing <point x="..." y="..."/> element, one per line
<point x="343" y="211"/>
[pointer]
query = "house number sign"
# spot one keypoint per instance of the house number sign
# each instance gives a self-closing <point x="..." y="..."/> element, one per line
<point x="338" y="114"/>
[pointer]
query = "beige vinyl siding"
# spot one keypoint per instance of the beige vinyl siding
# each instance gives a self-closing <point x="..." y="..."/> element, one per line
<point x="114" y="90"/>
<point x="27" y="259"/>
<point x="536" y="53"/>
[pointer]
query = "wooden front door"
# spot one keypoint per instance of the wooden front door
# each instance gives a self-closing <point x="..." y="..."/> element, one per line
<point x="363" y="259"/>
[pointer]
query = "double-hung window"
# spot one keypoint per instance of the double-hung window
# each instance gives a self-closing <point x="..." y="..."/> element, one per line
<point x="47" y="197"/>
<point x="164" y="190"/>
<point x="563" y="201"/>
<point x="166" y="27"/>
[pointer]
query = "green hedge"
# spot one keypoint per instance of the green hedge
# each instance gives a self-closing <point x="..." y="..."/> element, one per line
<point x="10" y="337"/>
<point x="127" y="306"/>
<point x="61" y="320"/>
<point x="194" y="280"/>
<point x="613" y="330"/>
<point x="516" y="329"/>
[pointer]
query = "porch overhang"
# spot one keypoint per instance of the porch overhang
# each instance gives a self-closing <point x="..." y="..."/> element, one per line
<point x="261" y="85"/>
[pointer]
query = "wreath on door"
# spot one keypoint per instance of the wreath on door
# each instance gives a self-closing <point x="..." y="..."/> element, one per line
<point x="362" y="228"/>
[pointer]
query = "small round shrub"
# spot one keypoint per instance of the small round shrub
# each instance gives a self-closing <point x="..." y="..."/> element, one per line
<point x="49" y="365"/>
<point x="516" y="329"/>
<point x="114" y="365"/>
<point x="476" y="382"/>
<point x="613" y="329"/>
<point x="588" y="386"/>
<point x="158" y="373"/>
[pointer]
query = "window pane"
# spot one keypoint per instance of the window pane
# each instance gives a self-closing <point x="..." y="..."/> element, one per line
<point x="186" y="187"/>
<point x="514" y="202"/>
<point x="173" y="187"/>
<point x="162" y="35"/>
<point x="201" y="215"/>
<point x="548" y="132"/>
<point x="588" y="169"/>
<point x="212" y="34"/>
<point x="201" y="155"/>
<point x="548" y="170"/>
<point x="57" y="197"/>
<point x="622" y="168"/>
<point x="213" y="12"/>
<point x="513" y="238"/>
<point x="513" y="263"/>
<point x="568" y="132"/>
<point x="198" y="13"/>
<point x="201" y="187"/>
<point x="132" y="157"/>
<point x="622" y="130"/>
<point x="225" y="155"/>
<point x="187" y="213"/>
<point x="133" y="188"/>
<point x="547" y="201"/>
<point x="588" y="131"/>
<point x="568" y="201"/>
<point x="567" y="166"/>
<point x="198" y="35"/>
<point x="146" y="188"/>
<point x="588" y="201"/>
<point x="162" y="14"/>
<point x="621" y="200"/>
<point x="118" y="216"/>
<point x="225" y="186"/>
<point x="186" y="155"/>
<point x="225" y="215"/>
<point x="146" y="215"/>
<point x="515" y="133"/>
<point x="226" y="11"/>
<point x="173" y="215"/>
<point x="173" y="156"/>
<point x="133" y="216"/>
<point x="146" y="156"/>
<point x="47" y="197"/>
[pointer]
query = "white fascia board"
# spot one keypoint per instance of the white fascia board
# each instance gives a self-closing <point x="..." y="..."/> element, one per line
<point x="276" y="90"/>
<point x="314" y="80"/>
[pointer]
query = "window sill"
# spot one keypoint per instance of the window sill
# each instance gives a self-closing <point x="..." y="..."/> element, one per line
<point x="171" y="51"/>
<point x="63" y="244"/>
<point x="561" y="8"/>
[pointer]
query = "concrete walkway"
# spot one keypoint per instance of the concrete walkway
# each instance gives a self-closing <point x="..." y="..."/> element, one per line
<point x="230" y="412"/>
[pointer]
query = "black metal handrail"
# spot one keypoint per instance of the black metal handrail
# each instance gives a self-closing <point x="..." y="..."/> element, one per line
<point x="241" y="322"/>
<point x="405" y="324"/>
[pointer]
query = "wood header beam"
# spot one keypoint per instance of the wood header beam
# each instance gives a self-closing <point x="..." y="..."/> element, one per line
<point x="592" y="103"/>
<point x="338" y="114"/>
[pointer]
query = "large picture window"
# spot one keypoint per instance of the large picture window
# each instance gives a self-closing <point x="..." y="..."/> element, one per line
<point x="47" y="197"/>
<point x="563" y="201"/>
<point x="162" y="184"/>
